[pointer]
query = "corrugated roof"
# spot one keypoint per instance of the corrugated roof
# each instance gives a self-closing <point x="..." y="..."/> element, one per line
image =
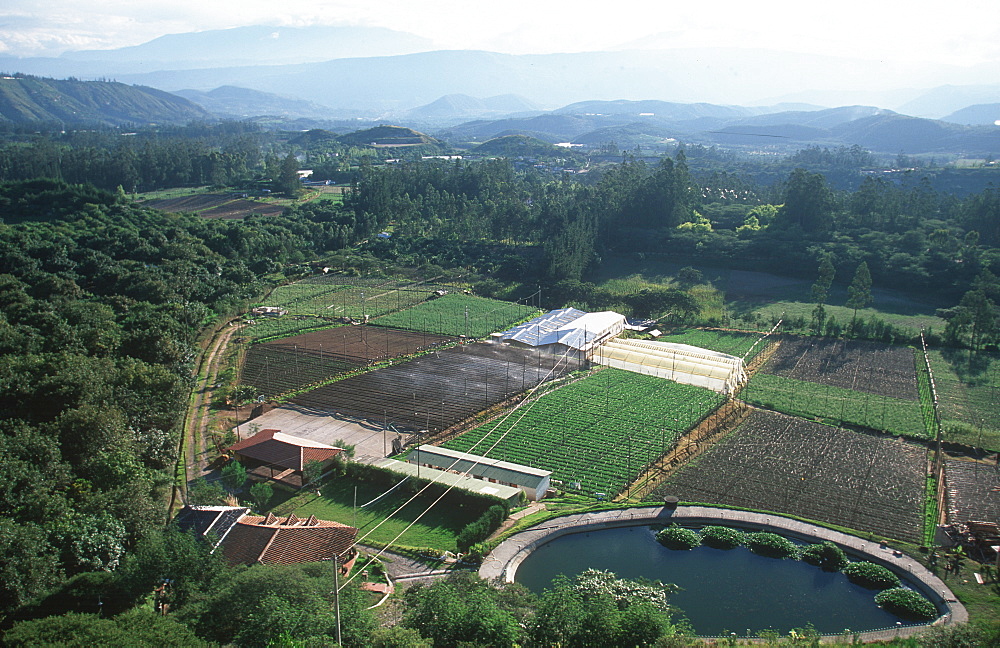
<point x="204" y="520"/>
<point x="471" y="484"/>
<point x="567" y="326"/>
<point x="480" y="466"/>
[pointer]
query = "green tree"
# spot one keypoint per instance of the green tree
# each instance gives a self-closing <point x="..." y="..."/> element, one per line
<point x="859" y="293"/>
<point x="260" y="494"/>
<point x="808" y="203"/>
<point x="201" y="492"/>
<point x="287" y="179"/>
<point x="139" y="628"/>
<point x="821" y="291"/>
<point x="234" y="475"/>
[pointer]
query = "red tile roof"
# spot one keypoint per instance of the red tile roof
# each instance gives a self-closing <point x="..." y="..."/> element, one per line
<point x="286" y="541"/>
<point x="284" y="450"/>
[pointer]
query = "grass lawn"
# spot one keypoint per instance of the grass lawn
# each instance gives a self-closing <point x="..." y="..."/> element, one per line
<point x="437" y="529"/>
<point x="457" y="314"/>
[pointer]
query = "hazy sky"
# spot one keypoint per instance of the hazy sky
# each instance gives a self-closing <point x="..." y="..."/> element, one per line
<point x="958" y="31"/>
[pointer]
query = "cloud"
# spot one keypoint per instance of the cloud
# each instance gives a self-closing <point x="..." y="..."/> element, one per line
<point x="968" y="31"/>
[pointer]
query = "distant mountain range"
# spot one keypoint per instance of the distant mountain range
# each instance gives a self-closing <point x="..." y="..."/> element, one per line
<point x="76" y="103"/>
<point x="242" y="103"/>
<point x="650" y="123"/>
<point x="384" y="71"/>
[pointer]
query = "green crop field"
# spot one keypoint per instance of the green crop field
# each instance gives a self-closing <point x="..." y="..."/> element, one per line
<point x="969" y="396"/>
<point x="457" y="314"/>
<point x="336" y="296"/>
<point x="731" y="342"/>
<point x="835" y="404"/>
<point x="601" y="431"/>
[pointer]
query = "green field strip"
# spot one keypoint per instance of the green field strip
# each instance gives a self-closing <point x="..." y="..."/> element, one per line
<point x="836" y="405"/>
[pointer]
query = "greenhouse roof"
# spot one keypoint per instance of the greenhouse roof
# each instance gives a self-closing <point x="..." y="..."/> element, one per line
<point x="567" y="326"/>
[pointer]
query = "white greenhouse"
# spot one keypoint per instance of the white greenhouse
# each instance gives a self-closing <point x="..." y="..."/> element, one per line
<point x="681" y="363"/>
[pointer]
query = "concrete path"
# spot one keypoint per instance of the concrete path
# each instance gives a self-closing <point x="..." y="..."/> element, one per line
<point x="502" y="563"/>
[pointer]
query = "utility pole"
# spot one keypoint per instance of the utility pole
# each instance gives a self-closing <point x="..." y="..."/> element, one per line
<point x="336" y="594"/>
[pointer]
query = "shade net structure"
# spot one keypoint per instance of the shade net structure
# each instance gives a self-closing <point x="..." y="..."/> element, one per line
<point x="681" y="363"/>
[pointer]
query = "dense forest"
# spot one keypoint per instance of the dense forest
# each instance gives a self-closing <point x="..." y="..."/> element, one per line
<point x="102" y="302"/>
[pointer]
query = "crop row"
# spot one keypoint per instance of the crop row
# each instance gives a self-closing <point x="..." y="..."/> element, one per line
<point x="779" y="463"/>
<point x="833" y="404"/>
<point x="871" y="367"/>
<point x="734" y="343"/>
<point x="438" y="389"/>
<point x="969" y="396"/>
<point x="971" y="491"/>
<point x="601" y="431"/>
<point x="457" y="314"/>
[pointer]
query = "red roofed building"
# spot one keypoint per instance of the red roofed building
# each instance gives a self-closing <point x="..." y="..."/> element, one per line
<point x="248" y="539"/>
<point x="281" y="453"/>
<point x="287" y="541"/>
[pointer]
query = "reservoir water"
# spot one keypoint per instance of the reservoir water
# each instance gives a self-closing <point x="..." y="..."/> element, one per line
<point x="722" y="591"/>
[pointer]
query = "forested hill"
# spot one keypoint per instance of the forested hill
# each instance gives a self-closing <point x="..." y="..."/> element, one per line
<point x="25" y="99"/>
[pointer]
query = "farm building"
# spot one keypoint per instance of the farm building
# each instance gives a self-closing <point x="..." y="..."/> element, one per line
<point x="276" y="455"/>
<point x="248" y="539"/>
<point x="533" y="481"/>
<point x="681" y="363"/>
<point x="510" y="494"/>
<point x="565" y="330"/>
<point x="268" y="311"/>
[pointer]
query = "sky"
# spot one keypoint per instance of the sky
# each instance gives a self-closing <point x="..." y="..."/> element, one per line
<point x="961" y="32"/>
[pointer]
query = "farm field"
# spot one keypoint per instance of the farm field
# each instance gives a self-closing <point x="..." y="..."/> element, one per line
<point x="601" y="431"/>
<point x="281" y="366"/>
<point x="969" y="397"/>
<point x="836" y="405"/>
<point x="734" y="343"/>
<point x="871" y="367"/>
<point x="447" y="316"/>
<point x="336" y="296"/>
<point x="437" y="529"/>
<point x="972" y="491"/>
<point x="845" y="382"/>
<point x="778" y="463"/>
<point x="212" y="205"/>
<point x="437" y="390"/>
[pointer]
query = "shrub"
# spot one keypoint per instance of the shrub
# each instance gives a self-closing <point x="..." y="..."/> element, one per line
<point x="676" y="537"/>
<point x="827" y="555"/>
<point x="906" y="603"/>
<point x="770" y="544"/>
<point x="722" y="537"/>
<point x="871" y="575"/>
<point x="479" y="530"/>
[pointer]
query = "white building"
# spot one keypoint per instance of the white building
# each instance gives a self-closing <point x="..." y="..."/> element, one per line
<point x="565" y="330"/>
<point x="533" y="481"/>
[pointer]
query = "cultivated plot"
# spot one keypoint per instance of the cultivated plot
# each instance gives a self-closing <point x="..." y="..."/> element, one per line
<point x="871" y="367"/>
<point x="972" y="491"/>
<point x="969" y="396"/>
<point x="846" y="382"/>
<point x="735" y="343"/>
<point x="601" y="431"/>
<point x="467" y="315"/>
<point x="782" y="464"/>
<point x="289" y="364"/>
<point x="337" y="296"/>
<point x="437" y="390"/>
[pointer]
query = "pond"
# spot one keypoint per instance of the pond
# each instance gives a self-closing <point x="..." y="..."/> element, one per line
<point x="722" y="590"/>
